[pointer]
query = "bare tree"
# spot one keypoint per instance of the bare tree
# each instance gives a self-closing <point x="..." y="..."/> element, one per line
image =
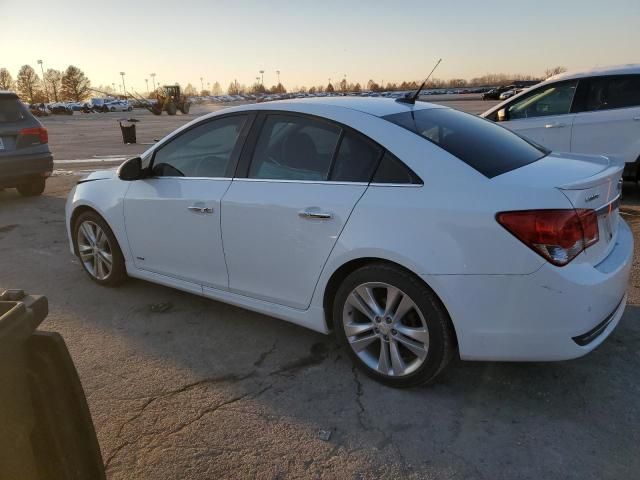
<point x="75" y="84"/>
<point x="217" y="90"/>
<point x="6" y="80"/>
<point x="373" y="86"/>
<point x="190" y="90"/>
<point x="550" y="72"/>
<point x="28" y="83"/>
<point x="53" y="79"/>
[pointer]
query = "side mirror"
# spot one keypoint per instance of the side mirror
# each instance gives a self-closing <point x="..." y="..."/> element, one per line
<point x="502" y="114"/>
<point x="131" y="169"/>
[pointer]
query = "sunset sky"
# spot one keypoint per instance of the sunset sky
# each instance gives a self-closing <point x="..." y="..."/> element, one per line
<point x="312" y="41"/>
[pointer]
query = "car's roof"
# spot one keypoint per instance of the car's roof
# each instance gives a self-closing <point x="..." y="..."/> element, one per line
<point x="376" y="106"/>
<point x="7" y="93"/>
<point x="631" y="68"/>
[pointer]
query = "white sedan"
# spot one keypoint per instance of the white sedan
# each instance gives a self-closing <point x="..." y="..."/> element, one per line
<point x="413" y="231"/>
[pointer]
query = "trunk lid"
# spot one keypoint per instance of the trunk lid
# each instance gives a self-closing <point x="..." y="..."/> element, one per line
<point x="588" y="182"/>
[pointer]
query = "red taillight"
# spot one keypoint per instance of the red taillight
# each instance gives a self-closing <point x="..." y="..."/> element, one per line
<point x="38" y="135"/>
<point x="557" y="235"/>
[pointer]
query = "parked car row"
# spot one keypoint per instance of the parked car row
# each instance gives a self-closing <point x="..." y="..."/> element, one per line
<point x="267" y="97"/>
<point x="68" y="108"/>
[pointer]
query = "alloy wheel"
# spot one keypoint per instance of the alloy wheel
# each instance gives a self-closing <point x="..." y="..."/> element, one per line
<point x="95" y="250"/>
<point x="385" y="329"/>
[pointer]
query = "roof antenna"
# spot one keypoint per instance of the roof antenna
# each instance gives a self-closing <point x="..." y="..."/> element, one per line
<point x="411" y="98"/>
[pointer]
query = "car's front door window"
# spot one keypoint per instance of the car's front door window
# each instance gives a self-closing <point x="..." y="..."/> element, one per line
<point x="203" y="151"/>
<point x="553" y="99"/>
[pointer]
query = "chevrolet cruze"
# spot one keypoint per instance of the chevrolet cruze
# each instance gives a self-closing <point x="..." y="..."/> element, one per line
<point x="413" y="231"/>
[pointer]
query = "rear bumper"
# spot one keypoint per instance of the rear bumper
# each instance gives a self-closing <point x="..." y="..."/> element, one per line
<point x="552" y="314"/>
<point x="17" y="168"/>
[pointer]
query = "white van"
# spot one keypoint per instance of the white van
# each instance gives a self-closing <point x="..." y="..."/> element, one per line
<point x="595" y="111"/>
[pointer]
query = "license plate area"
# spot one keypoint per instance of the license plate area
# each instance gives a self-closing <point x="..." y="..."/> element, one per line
<point x="608" y="222"/>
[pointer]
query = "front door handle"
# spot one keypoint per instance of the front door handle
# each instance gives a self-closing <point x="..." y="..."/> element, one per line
<point x="555" y="125"/>
<point x="637" y="119"/>
<point x="198" y="209"/>
<point x="314" y="213"/>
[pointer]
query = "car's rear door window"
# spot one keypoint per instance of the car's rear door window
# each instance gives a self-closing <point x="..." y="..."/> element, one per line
<point x="605" y="93"/>
<point x="483" y="145"/>
<point x="292" y="147"/>
<point x="356" y="160"/>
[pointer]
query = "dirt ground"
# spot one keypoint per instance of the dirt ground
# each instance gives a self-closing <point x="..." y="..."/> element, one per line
<point x="198" y="389"/>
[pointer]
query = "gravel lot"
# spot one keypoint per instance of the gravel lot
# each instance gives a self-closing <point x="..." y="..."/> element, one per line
<point x="197" y="389"/>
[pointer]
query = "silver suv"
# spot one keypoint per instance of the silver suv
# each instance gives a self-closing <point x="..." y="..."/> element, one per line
<point x="25" y="159"/>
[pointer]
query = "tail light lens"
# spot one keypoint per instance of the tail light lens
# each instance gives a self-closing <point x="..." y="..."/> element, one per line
<point x="28" y="137"/>
<point x="557" y="235"/>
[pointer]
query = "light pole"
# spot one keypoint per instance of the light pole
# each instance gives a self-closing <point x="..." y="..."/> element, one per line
<point x="44" y="83"/>
<point x="153" y="79"/>
<point x="201" y="84"/>
<point x="147" y="82"/>
<point x="124" y="89"/>
<point x="113" y="85"/>
<point x="278" y="73"/>
<point x="345" y="82"/>
<point x="262" y="77"/>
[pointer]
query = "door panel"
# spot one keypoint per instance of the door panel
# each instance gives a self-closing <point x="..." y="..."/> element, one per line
<point x="278" y="235"/>
<point x="173" y="228"/>
<point x="614" y="133"/>
<point x="552" y="132"/>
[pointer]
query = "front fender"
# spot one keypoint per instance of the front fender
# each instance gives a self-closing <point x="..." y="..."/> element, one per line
<point x="106" y="197"/>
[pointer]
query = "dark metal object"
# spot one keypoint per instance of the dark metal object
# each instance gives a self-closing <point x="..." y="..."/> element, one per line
<point x="47" y="431"/>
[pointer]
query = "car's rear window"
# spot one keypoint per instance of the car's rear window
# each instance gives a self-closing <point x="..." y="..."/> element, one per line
<point x="11" y="110"/>
<point x="489" y="148"/>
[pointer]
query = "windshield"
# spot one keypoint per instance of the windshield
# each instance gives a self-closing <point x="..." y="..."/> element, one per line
<point x="481" y="144"/>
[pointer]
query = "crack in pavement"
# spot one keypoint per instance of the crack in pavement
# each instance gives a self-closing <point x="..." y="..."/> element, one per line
<point x="181" y="427"/>
<point x="387" y="439"/>
<point x="263" y="356"/>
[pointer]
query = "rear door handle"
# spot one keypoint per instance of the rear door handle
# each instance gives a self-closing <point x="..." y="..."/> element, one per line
<point x="314" y="213"/>
<point x="199" y="209"/>
<point x="555" y="125"/>
<point x="637" y="119"/>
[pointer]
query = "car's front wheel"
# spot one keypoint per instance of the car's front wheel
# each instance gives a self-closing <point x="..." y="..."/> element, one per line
<point x="98" y="250"/>
<point x="393" y="326"/>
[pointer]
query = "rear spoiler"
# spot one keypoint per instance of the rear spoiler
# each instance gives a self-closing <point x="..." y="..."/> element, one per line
<point x="612" y="174"/>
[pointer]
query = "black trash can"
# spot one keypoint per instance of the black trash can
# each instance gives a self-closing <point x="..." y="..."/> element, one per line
<point x="128" y="132"/>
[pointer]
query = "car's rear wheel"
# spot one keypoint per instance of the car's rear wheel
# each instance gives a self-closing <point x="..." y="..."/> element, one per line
<point x="393" y="326"/>
<point x="32" y="188"/>
<point x="98" y="250"/>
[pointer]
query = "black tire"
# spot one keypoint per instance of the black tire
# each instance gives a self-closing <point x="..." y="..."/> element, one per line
<point x="442" y="340"/>
<point x="185" y="108"/>
<point x="118" y="272"/>
<point x="171" y="108"/>
<point x="112" y="109"/>
<point x="32" y="189"/>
